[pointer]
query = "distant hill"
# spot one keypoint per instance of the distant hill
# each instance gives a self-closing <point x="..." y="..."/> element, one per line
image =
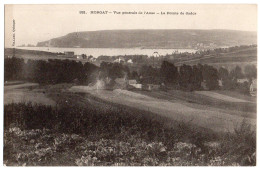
<point x="229" y="60"/>
<point x="178" y="38"/>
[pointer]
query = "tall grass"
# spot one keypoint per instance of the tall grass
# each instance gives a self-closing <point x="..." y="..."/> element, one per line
<point x="116" y="123"/>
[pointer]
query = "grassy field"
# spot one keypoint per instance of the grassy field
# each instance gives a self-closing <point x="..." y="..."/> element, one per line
<point x="114" y="136"/>
<point x="223" y="109"/>
<point x="194" y="99"/>
<point x="182" y="107"/>
<point x="229" y="60"/>
<point x="123" y="128"/>
<point x="16" y="92"/>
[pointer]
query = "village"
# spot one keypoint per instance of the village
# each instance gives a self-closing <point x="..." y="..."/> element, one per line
<point x="138" y="84"/>
<point x="130" y="84"/>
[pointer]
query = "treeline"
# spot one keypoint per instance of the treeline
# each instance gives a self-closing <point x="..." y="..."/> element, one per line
<point x="216" y="51"/>
<point x="47" y="72"/>
<point x="175" y="56"/>
<point x="134" y="58"/>
<point x="199" y="76"/>
<point x="230" y="79"/>
<point x="113" y="70"/>
<point x="183" y="77"/>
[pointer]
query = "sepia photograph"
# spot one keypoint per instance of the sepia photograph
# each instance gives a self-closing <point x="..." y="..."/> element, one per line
<point x="130" y="85"/>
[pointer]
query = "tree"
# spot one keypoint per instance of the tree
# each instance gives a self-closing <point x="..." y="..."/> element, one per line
<point x="113" y="70"/>
<point x="186" y="77"/>
<point x="169" y="73"/>
<point x="236" y="73"/>
<point x="223" y="75"/>
<point x="13" y="68"/>
<point x="196" y="78"/>
<point x="134" y="75"/>
<point x="210" y="75"/>
<point x="149" y="75"/>
<point x="250" y="71"/>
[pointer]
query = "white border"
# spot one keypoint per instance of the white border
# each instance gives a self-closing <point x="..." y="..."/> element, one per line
<point x="2" y="2"/>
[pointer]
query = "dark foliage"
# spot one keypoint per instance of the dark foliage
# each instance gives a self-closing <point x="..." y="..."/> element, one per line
<point x="117" y="123"/>
<point x="91" y="121"/>
<point x="47" y="72"/>
<point x="186" y="77"/>
<point x="169" y="73"/>
<point x="113" y="70"/>
<point x="210" y="75"/>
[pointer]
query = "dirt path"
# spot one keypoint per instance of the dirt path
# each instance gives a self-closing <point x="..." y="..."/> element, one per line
<point x="220" y="96"/>
<point x="211" y="119"/>
<point x="21" y="93"/>
<point x="10" y="86"/>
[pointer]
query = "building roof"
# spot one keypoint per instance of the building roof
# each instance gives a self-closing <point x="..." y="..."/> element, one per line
<point x="242" y="80"/>
<point x="132" y="81"/>
<point x="254" y="84"/>
<point x="120" y="80"/>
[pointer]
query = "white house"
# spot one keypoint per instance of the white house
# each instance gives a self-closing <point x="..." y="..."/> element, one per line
<point x="134" y="84"/>
<point x="79" y="57"/>
<point x="130" y="61"/>
<point x="253" y="87"/>
<point x="119" y="60"/>
<point x="93" y="59"/>
<point x="130" y="82"/>
<point x="152" y="87"/>
<point x="220" y="83"/>
<point x="69" y="54"/>
<point x="242" y="80"/>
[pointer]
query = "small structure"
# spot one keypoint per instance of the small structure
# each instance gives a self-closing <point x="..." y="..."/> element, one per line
<point x="93" y="59"/>
<point x="130" y="61"/>
<point x="119" y="60"/>
<point x="253" y="87"/>
<point x="69" y="54"/>
<point x="130" y="82"/>
<point x="79" y="57"/>
<point x="151" y="87"/>
<point x="242" y="81"/>
<point x="137" y="86"/>
<point x="120" y="83"/>
<point x="133" y="83"/>
<point x="8" y="56"/>
<point x="82" y="56"/>
<point x="155" y="54"/>
<point x="220" y="83"/>
<point x="204" y="85"/>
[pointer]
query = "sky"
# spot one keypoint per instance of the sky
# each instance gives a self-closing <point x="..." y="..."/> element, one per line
<point x="29" y="24"/>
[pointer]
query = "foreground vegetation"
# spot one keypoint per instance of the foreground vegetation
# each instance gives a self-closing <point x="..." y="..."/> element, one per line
<point x="117" y="136"/>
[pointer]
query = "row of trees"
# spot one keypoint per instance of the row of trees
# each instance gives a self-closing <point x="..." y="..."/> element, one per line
<point x="230" y="79"/>
<point x="184" y="77"/>
<point x="113" y="70"/>
<point x="191" y="77"/>
<point x="47" y="72"/>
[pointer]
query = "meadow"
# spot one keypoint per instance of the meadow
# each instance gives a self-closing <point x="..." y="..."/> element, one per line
<point x="85" y="130"/>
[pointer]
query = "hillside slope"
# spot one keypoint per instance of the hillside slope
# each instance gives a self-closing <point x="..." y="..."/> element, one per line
<point x="248" y="55"/>
<point x="153" y="39"/>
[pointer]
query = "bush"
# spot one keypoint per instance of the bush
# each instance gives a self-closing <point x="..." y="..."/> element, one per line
<point x="115" y="136"/>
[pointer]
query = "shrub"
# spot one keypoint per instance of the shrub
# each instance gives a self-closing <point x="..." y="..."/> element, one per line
<point x="116" y="136"/>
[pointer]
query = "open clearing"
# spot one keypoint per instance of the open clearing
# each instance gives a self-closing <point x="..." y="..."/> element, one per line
<point x="213" y="118"/>
<point x="220" y="96"/>
<point x="25" y="92"/>
<point x="211" y="110"/>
